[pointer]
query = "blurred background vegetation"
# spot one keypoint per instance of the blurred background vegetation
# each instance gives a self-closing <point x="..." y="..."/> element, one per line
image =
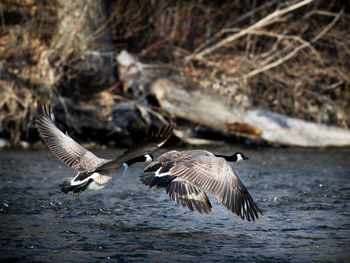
<point x="274" y="55"/>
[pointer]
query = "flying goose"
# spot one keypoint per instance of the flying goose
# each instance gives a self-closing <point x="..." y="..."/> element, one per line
<point x="93" y="172"/>
<point x="188" y="175"/>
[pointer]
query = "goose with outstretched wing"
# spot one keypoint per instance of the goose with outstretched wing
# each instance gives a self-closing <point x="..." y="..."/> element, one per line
<point x="188" y="175"/>
<point x="93" y="172"/>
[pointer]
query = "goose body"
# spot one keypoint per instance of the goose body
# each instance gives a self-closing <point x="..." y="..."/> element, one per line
<point x="92" y="172"/>
<point x="188" y="175"/>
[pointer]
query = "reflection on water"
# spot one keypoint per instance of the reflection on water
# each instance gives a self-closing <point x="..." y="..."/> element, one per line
<point x="303" y="193"/>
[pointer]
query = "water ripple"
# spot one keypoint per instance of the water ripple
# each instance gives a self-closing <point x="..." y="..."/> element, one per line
<point x="306" y="214"/>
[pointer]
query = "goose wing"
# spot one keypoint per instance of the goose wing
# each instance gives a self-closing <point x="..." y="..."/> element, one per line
<point x="157" y="174"/>
<point x="64" y="147"/>
<point x="151" y="144"/>
<point x="161" y="161"/>
<point x="188" y="196"/>
<point x="215" y="176"/>
<point x="170" y="158"/>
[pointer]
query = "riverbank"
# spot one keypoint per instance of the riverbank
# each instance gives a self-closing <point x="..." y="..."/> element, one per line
<point x="287" y="58"/>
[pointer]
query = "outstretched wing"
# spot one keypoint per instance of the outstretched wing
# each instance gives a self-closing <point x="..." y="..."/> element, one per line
<point x="62" y="146"/>
<point x="215" y="176"/>
<point x="151" y="144"/>
<point x="188" y="196"/>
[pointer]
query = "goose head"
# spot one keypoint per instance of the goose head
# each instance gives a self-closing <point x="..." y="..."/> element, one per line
<point x="148" y="158"/>
<point x="140" y="159"/>
<point x="238" y="156"/>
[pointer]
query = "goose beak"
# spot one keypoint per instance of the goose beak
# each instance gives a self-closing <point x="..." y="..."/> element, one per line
<point x="245" y="157"/>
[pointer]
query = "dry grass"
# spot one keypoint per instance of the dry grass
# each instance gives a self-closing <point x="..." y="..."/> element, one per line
<point x="287" y="56"/>
<point x="25" y="34"/>
<point x="38" y="59"/>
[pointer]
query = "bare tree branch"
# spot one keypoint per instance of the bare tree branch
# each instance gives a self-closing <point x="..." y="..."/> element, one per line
<point x="272" y="18"/>
<point x="295" y="51"/>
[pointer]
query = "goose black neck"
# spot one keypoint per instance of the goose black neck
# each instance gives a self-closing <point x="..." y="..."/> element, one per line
<point x="138" y="159"/>
<point x="229" y="158"/>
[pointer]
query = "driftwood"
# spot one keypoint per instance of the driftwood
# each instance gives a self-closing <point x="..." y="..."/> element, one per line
<point x="206" y="107"/>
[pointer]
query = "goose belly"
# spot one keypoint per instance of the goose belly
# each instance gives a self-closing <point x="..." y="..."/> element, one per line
<point x="99" y="181"/>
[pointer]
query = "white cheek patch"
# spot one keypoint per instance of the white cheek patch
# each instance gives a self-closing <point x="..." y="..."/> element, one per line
<point x="148" y="158"/>
<point x="239" y="158"/>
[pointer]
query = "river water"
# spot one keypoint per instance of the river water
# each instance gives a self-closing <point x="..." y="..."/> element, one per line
<point x="304" y="194"/>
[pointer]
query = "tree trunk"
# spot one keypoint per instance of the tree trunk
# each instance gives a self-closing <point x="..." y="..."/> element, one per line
<point x="206" y="107"/>
<point x="80" y="49"/>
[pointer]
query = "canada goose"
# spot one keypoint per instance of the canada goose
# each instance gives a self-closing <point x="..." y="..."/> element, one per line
<point x="93" y="172"/>
<point x="188" y="175"/>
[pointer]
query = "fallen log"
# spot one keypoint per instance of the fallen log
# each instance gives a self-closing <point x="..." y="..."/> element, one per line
<point x="204" y="106"/>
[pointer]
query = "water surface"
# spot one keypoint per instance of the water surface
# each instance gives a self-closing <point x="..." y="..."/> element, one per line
<point x="303" y="193"/>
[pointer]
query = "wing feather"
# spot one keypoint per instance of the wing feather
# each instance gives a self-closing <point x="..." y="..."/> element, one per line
<point x="62" y="146"/>
<point x="188" y="196"/>
<point x="215" y="176"/>
<point x="151" y="144"/>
